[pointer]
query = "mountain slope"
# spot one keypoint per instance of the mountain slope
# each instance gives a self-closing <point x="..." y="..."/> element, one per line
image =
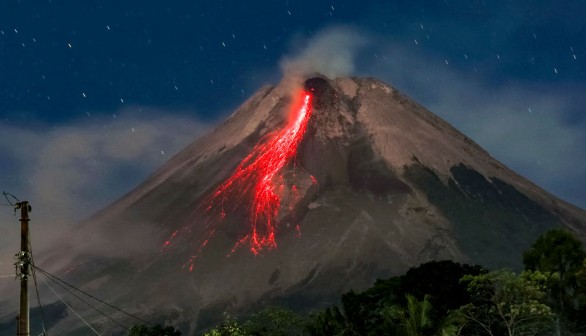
<point x="378" y="184"/>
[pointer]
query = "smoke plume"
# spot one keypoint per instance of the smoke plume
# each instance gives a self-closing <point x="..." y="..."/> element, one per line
<point x="331" y="52"/>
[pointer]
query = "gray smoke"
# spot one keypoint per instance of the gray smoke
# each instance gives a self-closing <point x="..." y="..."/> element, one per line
<point x="331" y="52"/>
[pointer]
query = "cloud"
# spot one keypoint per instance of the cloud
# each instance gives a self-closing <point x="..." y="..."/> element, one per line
<point x="522" y="124"/>
<point x="330" y="52"/>
<point x="69" y="172"/>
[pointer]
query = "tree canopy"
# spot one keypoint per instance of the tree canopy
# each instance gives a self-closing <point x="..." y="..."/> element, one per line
<point x="156" y="330"/>
<point x="504" y="303"/>
<point x="560" y="253"/>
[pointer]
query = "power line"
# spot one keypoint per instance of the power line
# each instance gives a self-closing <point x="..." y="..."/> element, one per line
<point x="73" y="310"/>
<point x="51" y="277"/>
<point x="55" y="278"/>
<point x="6" y="194"/>
<point x="26" y="260"/>
<point x="37" y="289"/>
<point x="40" y="304"/>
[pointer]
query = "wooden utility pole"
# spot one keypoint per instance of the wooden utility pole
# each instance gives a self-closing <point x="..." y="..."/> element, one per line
<point x="23" y="261"/>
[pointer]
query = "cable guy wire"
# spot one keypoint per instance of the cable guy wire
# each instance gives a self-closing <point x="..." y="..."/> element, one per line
<point x="30" y="248"/>
<point x="49" y="275"/>
<point x="73" y="310"/>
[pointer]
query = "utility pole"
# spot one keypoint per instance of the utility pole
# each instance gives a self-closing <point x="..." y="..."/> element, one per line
<point x="22" y="264"/>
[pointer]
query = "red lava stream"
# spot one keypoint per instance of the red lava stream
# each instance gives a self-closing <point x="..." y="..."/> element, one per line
<point x="253" y="185"/>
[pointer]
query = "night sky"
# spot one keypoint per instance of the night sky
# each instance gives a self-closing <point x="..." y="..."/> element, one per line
<point x="95" y="95"/>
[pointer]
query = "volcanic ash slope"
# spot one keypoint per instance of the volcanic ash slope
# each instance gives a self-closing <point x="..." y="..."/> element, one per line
<point x="380" y="185"/>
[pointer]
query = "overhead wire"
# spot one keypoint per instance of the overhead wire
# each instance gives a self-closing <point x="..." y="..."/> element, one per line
<point x="30" y="248"/>
<point x="57" y="282"/>
<point x="63" y="284"/>
<point x="71" y="308"/>
<point x="6" y="194"/>
<point x="91" y="296"/>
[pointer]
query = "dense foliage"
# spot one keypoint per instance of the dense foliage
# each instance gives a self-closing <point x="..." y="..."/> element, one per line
<point x="446" y="298"/>
<point x="503" y="303"/>
<point x="559" y="253"/>
<point x="156" y="330"/>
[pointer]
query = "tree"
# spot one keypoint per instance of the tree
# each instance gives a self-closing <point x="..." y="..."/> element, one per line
<point x="362" y="311"/>
<point x="417" y="319"/>
<point x="445" y="292"/>
<point x="156" y="330"/>
<point x="451" y="324"/>
<point x="414" y="319"/>
<point x="556" y="251"/>
<point x="275" y="321"/>
<point x="366" y="313"/>
<point x="561" y="254"/>
<point x="230" y="327"/>
<point x="581" y="292"/>
<point x="329" y="322"/>
<point x="506" y="304"/>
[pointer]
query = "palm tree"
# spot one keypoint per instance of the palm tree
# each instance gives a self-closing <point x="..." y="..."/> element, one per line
<point x="413" y="319"/>
<point x="416" y="319"/>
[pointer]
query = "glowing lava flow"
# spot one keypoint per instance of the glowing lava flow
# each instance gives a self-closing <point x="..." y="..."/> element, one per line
<point x="253" y="184"/>
<point x="261" y="167"/>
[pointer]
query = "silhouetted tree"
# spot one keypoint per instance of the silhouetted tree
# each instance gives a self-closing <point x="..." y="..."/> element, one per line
<point x="440" y="281"/>
<point x="156" y="330"/>
<point x="230" y="327"/>
<point x="366" y="313"/>
<point x="417" y="318"/>
<point x="506" y="304"/>
<point x="414" y="319"/>
<point x="329" y="322"/>
<point x="560" y="253"/>
<point x="275" y="321"/>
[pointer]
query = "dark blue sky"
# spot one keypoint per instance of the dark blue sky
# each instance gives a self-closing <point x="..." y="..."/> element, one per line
<point x="190" y="54"/>
<point x="201" y="55"/>
<point x="94" y="95"/>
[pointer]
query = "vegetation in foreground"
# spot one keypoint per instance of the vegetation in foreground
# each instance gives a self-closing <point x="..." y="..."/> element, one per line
<point x="445" y="298"/>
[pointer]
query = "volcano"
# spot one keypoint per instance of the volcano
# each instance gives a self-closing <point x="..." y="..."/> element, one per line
<point x="372" y="184"/>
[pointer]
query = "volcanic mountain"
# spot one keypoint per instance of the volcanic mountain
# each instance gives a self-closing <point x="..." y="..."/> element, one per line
<point x="305" y="192"/>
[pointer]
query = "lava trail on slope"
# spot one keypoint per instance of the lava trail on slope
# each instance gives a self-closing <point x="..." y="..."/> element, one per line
<point x="253" y="185"/>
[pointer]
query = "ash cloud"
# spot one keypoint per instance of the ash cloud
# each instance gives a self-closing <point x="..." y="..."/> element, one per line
<point x="331" y="52"/>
